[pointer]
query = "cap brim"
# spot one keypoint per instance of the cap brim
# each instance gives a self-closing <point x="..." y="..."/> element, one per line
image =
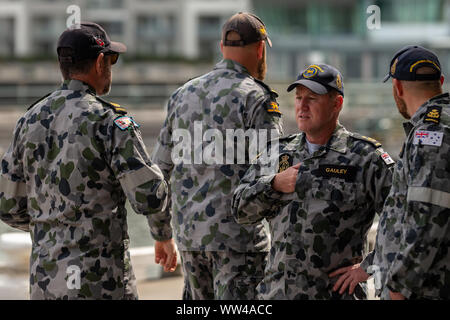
<point x="386" y="78"/>
<point x="311" y="85"/>
<point x="269" y="42"/>
<point x="117" y="47"/>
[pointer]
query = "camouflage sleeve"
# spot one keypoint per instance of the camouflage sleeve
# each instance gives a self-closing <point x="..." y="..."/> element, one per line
<point x="141" y="180"/>
<point x="162" y="156"/>
<point x="264" y="115"/>
<point x="13" y="193"/>
<point x="255" y="199"/>
<point x="379" y="182"/>
<point x="425" y="221"/>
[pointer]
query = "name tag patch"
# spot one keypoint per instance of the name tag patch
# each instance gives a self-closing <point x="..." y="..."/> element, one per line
<point x="429" y="138"/>
<point x="348" y="173"/>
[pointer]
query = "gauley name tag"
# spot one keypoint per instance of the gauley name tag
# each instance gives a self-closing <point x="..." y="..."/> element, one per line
<point x="347" y="173"/>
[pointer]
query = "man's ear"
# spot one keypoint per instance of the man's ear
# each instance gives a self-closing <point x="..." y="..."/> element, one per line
<point x="339" y="102"/>
<point x="99" y="63"/>
<point x="260" y="49"/>
<point x="221" y="46"/>
<point x="397" y="86"/>
<point x="442" y="80"/>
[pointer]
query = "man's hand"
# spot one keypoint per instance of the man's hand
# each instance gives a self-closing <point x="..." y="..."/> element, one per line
<point x="351" y="276"/>
<point x="166" y="255"/>
<point x="396" y="295"/>
<point x="285" y="181"/>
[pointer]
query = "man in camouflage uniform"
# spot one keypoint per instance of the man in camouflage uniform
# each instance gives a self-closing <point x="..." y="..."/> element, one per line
<point x="221" y="259"/>
<point x="322" y="202"/>
<point x="411" y="258"/>
<point x="74" y="160"/>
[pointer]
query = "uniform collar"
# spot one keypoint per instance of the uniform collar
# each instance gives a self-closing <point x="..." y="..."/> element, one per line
<point x="420" y="113"/>
<point x="77" y="85"/>
<point x="231" y="65"/>
<point x="337" y="142"/>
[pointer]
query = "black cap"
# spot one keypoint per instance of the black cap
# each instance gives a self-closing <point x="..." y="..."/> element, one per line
<point x="88" y="40"/>
<point x="320" y="78"/>
<point x="250" y="28"/>
<point x="406" y="61"/>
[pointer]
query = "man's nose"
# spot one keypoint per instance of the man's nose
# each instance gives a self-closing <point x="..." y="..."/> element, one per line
<point x="302" y="105"/>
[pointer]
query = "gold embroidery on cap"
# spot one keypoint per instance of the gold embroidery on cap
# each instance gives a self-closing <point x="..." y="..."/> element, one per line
<point x="422" y="61"/>
<point x="394" y="65"/>
<point x="339" y="82"/>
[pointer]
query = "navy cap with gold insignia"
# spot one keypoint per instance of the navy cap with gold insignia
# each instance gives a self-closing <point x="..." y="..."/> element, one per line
<point x="407" y="60"/>
<point x="320" y="78"/>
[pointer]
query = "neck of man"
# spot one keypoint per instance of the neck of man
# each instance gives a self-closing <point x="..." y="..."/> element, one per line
<point x="250" y="64"/>
<point x="320" y="137"/>
<point x="86" y="78"/>
<point x="414" y="101"/>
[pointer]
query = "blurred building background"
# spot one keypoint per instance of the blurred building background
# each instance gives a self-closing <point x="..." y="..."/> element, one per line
<point x="302" y="31"/>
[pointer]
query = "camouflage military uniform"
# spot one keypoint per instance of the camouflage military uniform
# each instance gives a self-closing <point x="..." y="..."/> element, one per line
<point x="225" y="98"/>
<point x="414" y="230"/>
<point x="323" y="225"/>
<point x="73" y="162"/>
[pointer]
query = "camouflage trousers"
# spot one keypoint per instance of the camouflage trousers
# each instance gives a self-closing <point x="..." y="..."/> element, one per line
<point x="222" y="275"/>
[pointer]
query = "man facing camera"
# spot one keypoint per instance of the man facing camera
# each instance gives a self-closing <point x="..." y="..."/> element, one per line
<point x="321" y="202"/>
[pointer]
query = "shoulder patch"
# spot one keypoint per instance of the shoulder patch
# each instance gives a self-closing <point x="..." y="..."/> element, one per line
<point x="273" y="107"/>
<point x="374" y="142"/>
<point x="39" y="100"/>
<point x="429" y="138"/>
<point x="124" y="122"/>
<point x="433" y="114"/>
<point x="385" y="156"/>
<point x="116" y="107"/>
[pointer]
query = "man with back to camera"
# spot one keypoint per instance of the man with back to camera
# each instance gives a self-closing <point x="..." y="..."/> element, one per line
<point x="220" y="259"/>
<point x="322" y="202"/>
<point x="73" y="161"/>
<point x="411" y="258"/>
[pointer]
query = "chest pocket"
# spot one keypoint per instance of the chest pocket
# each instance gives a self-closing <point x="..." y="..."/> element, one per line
<point x="338" y="194"/>
<point x="336" y="189"/>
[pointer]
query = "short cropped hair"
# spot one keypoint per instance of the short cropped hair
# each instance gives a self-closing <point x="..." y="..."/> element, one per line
<point x="69" y="67"/>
